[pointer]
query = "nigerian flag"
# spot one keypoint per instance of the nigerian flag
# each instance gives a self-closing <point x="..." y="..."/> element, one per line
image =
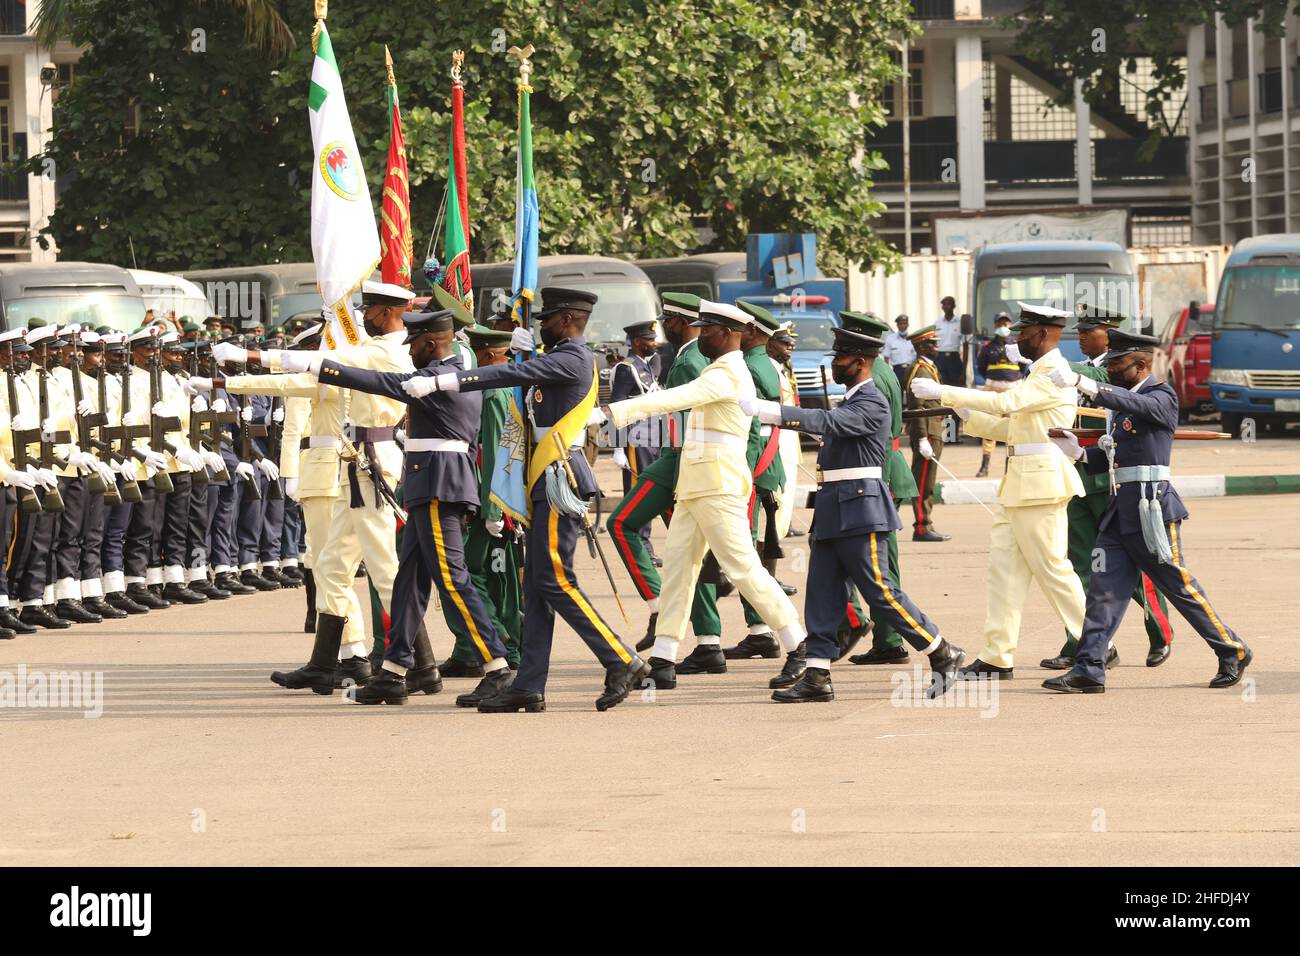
<point x="344" y="238"/>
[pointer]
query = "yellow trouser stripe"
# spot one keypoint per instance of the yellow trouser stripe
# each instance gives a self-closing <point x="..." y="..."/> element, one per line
<point x="1196" y="595"/>
<point x="889" y="595"/>
<point x="553" y="540"/>
<point x="456" y="599"/>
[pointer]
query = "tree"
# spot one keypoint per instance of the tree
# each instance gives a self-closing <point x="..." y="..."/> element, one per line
<point x="649" y="119"/>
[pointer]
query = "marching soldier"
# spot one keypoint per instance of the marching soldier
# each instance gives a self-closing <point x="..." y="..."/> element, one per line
<point x="636" y="375"/>
<point x="258" y="472"/>
<point x="925" y="436"/>
<point x="223" y="498"/>
<point x="1085" y="513"/>
<point x="117" y="369"/>
<point x="1028" y="539"/>
<point x="16" y="481"/>
<point x="182" y="464"/>
<point x="713" y="490"/>
<point x="1141" y="529"/>
<point x="562" y="389"/>
<point x="853" y="513"/>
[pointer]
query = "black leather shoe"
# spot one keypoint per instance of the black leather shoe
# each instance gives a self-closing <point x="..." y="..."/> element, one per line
<point x="1230" y="670"/>
<point x="142" y="595"/>
<point x="765" y="646"/>
<point x="648" y="641"/>
<point x="881" y="655"/>
<point x="1074" y="684"/>
<point x="319" y="672"/>
<point x="102" y="608"/>
<point x="1112" y="657"/>
<point x="424" y="680"/>
<point x="1061" y="662"/>
<point x="36" y="615"/>
<point x="318" y="678"/>
<point x="384" y="688"/>
<point x="979" y="670"/>
<point x="228" y="581"/>
<point x="7" y="635"/>
<point x="209" y="590"/>
<point x="512" y="700"/>
<point x="813" y="687"/>
<point x="657" y="561"/>
<point x="1156" y="658"/>
<point x="725" y="585"/>
<point x="795" y="533"/>
<point x="794" y="667"/>
<point x="789" y="589"/>
<point x="10" y="622"/>
<point x="353" y="671"/>
<point x="252" y="579"/>
<point x="455" y="667"/>
<point x="122" y="602"/>
<point x="294" y="572"/>
<point x="74" y="612"/>
<point x="180" y="594"/>
<point x="619" y="681"/>
<point x="663" y="674"/>
<point x="280" y="578"/>
<point x="705" y="659"/>
<point x="930" y="536"/>
<point x="944" y="663"/>
<point x="492" y="685"/>
<point x="849" y="638"/>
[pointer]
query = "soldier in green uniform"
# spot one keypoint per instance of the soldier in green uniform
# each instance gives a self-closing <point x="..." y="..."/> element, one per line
<point x="1084" y="513"/>
<point x="925" y="436"/>
<point x="651" y="495"/>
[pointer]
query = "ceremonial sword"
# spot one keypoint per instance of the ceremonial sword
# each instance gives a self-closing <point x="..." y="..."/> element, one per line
<point x="592" y="540"/>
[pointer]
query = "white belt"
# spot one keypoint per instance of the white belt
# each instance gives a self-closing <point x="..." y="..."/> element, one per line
<point x="1040" y="448"/>
<point x="765" y="430"/>
<point x="849" y="474"/>
<point x="437" y="444"/>
<point x="1141" y="473"/>
<point x="710" y="437"/>
<point x="541" y="431"/>
<point x="324" y="441"/>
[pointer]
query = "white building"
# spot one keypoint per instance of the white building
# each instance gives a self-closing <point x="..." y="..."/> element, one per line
<point x="985" y="139"/>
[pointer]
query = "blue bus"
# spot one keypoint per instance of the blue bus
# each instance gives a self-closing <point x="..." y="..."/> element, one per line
<point x="1255" y="339"/>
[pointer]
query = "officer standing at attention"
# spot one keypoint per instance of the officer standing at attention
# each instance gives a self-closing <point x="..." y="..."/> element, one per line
<point x="1141" y="530"/>
<point x="636" y="375"/>
<point x="1028" y="539"/>
<point x="925" y="436"/>
<point x="1085" y="513"/>
<point x="1000" y="372"/>
<point x="439" y="487"/>
<point x="853" y="513"/>
<point x="562" y="388"/>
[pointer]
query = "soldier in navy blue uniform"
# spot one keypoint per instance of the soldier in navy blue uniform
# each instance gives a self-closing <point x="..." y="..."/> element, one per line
<point x="439" y="486"/>
<point x="561" y="383"/>
<point x="853" y="515"/>
<point x="1140" y="532"/>
<point x="636" y="375"/>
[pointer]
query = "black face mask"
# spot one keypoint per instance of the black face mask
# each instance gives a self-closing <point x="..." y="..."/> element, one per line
<point x="1124" y="378"/>
<point x="843" y="374"/>
<point x="549" y="336"/>
<point x="710" y="347"/>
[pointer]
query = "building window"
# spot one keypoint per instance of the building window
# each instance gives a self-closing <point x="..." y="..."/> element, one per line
<point x="915" y="85"/>
<point x="1162" y="227"/>
<point x="1133" y="86"/>
<point x="1026" y="113"/>
<point x="6" y="131"/>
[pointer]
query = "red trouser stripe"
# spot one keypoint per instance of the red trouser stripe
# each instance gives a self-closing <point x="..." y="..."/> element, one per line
<point x="625" y="550"/>
<point x="1153" y="605"/>
<point x="920" y="494"/>
<point x="854" y="620"/>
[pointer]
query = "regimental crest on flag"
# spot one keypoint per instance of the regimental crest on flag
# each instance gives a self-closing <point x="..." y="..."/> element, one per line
<point x="509" y="471"/>
<point x="339" y="170"/>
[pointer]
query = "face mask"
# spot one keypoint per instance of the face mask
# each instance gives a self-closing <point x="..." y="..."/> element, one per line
<point x="1122" y="378"/>
<point x="843" y="374"/>
<point x="1002" y="331"/>
<point x="550" y="338"/>
<point x="709" y="346"/>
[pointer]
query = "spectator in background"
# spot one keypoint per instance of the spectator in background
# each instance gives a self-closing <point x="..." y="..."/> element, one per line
<point x="1000" y="372"/>
<point x="899" y="351"/>
<point x="948" y="331"/>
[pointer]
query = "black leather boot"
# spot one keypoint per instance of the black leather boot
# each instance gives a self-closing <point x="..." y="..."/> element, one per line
<point x="75" y="612"/>
<point x="280" y="578"/>
<point x="1230" y="670"/>
<point x="209" y="590"/>
<point x="849" y="638"/>
<point x="754" y="645"/>
<point x="252" y="579"/>
<point x="309" y="582"/>
<point x="944" y="662"/>
<point x="705" y="659"/>
<point x="10" y="622"/>
<point x="102" y="608"/>
<point x="984" y="468"/>
<point x="663" y="674"/>
<point x="455" y="667"/>
<point x="881" y="655"/>
<point x="384" y="688"/>
<point x="792" y="670"/>
<point x="492" y="685"/>
<point x="157" y="591"/>
<point x="229" y="581"/>
<point x="122" y="602"/>
<point x="424" y="676"/>
<point x="512" y="700"/>
<point x="352" y="672"/>
<point x="619" y="681"/>
<point x="813" y="687"/>
<point x="142" y="595"/>
<point x="318" y="673"/>
<point x="180" y="594"/>
<point x="35" y="615"/>
<point x="648" y="641"/>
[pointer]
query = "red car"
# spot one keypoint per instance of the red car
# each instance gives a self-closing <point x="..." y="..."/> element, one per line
<point x="1189" y="360"/>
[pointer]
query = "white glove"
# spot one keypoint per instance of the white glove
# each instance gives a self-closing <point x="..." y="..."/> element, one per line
<point x="495" y="528"/>
<point x="123" y="468"/>
<point x="85" y="407"/>
<point x="132" y="419"/>
<point x="925" y="448"/>
<point x="1088" y="386"/>
<point x="197" y="383"/>
<point x="620" y="458"/>
<point x="418" y="386"/>
<point x="748" y="406"/>
<point x="199" y="404"/>
<point x="23" y="421"/>
<point x="277" y="416"/>
<point x="1069" y="445"/>
<point x="20" y="479"/>
<point x="1064" y="377"/>
<point x="297" y="361"/>
<point x="106" y="473"/>
<point x="212" y="460"/>
<point x="268" y="468"/>
<point x="291" y="488"/>
<point x="154" y="460"/>
<point x="220" y="406"/>
<point x="48" y="428"/>
<point x="162" y="409"/>
<point x="191" y="459"/>
<point x="244" y="470"/>
<point x="47" y="477"/>
<point x="246" y="413"/>
<point x="225" y="352"/>
<point x="399" y="436"/>
<point x="83" y="461"/>
<point x="597" y="417"/>
<point x="521" y="340"/>
<point x="769" y="413"/>
<point x="926" y="388"/>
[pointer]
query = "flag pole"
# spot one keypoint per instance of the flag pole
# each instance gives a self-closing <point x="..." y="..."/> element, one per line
<point x="525" y="313"/>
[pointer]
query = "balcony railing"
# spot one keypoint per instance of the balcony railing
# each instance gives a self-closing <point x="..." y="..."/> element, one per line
<point x="13" y="18"/>
<point x="930" y="162"/>
<point x="932" y="9"/>
<point x="1116" y="160"/>
<point x="1033" y="161"/>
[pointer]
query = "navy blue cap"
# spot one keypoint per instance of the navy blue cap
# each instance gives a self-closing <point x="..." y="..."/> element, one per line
<point x="556" y="299"/>
<point x="640" y="330"/>
<point x="848" y="342"/>
<point x="1124" y="343"/>
<point x="418" y="323"/>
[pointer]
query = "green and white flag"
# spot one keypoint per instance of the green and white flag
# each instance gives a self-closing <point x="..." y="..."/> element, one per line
<point x="344" y="237"/>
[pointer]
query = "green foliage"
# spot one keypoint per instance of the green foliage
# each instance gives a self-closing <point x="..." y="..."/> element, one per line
<point x="739" y="111"/>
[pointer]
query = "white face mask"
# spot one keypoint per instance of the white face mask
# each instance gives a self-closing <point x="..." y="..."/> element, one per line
<point x="1002" y="331"/>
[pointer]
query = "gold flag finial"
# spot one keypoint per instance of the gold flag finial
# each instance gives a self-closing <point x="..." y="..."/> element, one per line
<point x="388" y="65"/>
<point x="457" y="61"/>
<point x="322" y="9"/>
<point x="525" y="63"/>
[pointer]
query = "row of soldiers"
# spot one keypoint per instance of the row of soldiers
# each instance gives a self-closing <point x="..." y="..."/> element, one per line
<point x="121" y="494"/>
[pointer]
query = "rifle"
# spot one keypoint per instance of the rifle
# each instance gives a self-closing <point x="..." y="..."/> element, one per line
<point x="27" y="498"/>
<point x="592" y="541"/>
<point x="86" y="425"/>
<point x="214" y="437"/>
<point x="123" y="434"/>
<point x="939" y="411"/>
<point x="273" y="429"/>
<point x="1182" y="434"/>
<point x="247" y="431"/>
<point x="53" y="500"/>
<point x="160" y="425"/>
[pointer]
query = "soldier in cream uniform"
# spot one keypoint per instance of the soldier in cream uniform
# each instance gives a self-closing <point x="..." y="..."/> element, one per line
<point x="1029" y="537"/>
